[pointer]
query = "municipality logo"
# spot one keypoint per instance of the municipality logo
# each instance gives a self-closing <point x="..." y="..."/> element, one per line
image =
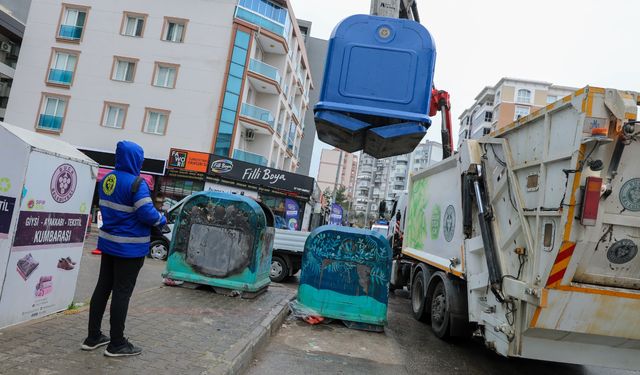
<point x="630" y="195"/>
<point x="63" y="183"/>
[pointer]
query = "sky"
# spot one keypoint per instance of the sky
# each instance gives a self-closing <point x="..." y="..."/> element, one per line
<point x="569" y="42"/>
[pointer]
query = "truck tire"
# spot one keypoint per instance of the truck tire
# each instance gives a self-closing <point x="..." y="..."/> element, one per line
<point x="439" y="309"/>
<point x="419" y="296"/>
<point x="279" y="269"/>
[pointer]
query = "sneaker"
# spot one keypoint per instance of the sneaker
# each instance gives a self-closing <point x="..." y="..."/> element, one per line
<point x="125" y="350"/>
<point x="91" y="344"/>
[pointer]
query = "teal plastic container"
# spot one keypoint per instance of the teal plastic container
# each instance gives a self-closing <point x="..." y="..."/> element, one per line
<point x="223" y="240"/>
<point x="345" y="274"/>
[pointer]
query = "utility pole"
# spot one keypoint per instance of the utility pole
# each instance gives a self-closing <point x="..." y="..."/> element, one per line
<point x="335" y="184"/>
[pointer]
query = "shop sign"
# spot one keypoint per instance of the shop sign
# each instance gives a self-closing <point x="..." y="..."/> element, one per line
<point x="188" y="160"/>
<point x="258" y="175"/>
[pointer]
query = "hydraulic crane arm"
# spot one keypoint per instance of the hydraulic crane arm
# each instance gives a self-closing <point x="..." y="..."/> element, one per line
<point x="440" y="101"/>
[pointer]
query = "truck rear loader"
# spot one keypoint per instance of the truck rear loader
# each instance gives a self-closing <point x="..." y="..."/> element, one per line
<point x="529" y="236"/>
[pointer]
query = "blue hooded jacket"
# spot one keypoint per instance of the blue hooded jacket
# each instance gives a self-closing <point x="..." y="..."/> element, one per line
<point x="127" y="217"/>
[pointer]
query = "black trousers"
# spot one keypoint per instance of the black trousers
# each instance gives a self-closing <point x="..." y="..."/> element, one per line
<point x="118" y="277"/>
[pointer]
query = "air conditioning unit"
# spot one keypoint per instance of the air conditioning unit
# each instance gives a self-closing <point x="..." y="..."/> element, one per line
<point x="249" y="135"/>
<point x="5" y="47"/>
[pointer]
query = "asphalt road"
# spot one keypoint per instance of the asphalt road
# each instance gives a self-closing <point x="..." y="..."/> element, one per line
<point x="406" y="347"/>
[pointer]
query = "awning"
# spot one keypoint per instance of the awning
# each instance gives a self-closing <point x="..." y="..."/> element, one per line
<point x="147" y="177"/>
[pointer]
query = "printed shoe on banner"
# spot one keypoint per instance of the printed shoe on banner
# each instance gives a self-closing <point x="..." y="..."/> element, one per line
<point x="65" y="264"/>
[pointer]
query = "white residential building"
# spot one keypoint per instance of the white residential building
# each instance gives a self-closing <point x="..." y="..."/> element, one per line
<point x="499" y="105"/>
<point x="228" y="77"/>
<point x="386" y="179"/>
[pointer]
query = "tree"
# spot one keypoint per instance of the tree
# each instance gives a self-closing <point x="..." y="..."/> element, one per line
<point x="341" y="196"/>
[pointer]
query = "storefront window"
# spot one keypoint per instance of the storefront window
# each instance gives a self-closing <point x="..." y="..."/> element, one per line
<point x="286" y="211"/>
<point x="174" y="189"/>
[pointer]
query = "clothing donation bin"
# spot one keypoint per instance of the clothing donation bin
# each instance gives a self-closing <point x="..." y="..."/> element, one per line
<point x="222" y="240"/>
<point x="46" y="188"/>
<point x="345" y="275"/>
<point x="377" y="86"/>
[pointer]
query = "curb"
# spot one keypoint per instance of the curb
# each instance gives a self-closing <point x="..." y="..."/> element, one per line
<point x="238" y="358"/>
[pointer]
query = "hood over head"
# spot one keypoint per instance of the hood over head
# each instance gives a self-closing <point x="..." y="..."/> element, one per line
<point x="129" y="157"/>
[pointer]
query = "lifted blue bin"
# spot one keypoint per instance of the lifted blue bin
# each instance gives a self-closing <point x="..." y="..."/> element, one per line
<point x="345" y="275"/>
<point x="223" y="240"/>
<point x="377" y="86"/>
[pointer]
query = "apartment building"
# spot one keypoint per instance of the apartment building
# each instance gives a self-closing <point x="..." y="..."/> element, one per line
<point x="386" y="179"/>
<point x="13" y="16"/>
<point x="341" y="165"/>
<point x="317" y="53"/>
<point x="227" y="77"/>
<point x="499" y="105"/>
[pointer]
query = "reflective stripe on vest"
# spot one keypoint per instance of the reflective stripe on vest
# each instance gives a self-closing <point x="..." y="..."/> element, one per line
<point x="159" y="220"/>
<point x="142" y="202"/>
<point x="122" y="239"/>
<point x="116" y="206"/>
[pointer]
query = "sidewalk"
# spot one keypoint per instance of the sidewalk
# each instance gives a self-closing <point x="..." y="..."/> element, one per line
<point x="182" y="330"/>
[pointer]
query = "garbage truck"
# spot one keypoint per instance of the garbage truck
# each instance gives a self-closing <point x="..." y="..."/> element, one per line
<point x="528" y="238"/>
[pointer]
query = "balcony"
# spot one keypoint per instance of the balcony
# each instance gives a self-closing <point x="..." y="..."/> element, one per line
<point x="260" y="20"/>
<point x="59" y="76"/>
<point x="49" y="122"/>
<point x="250" y="157"/>
<point x="296" y="112"/>
<point x="70" y="32"/>
<point x="290" y="143"/>
<point x="257" y="113"/>
<point x="264" y="70"/>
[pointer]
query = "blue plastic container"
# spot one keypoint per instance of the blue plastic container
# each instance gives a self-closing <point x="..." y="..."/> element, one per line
<point x="223" y="240"/>
<point x="377" y="86"/>
<point x="345" y="274"/>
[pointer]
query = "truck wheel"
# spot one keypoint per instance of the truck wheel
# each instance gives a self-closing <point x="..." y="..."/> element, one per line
<point x="419" y="296"/>
<point x="439" y="310"/>
<point x="279" y="269"/>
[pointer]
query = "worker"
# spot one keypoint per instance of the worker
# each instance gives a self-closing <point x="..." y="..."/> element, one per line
<point x="128" y="215"/>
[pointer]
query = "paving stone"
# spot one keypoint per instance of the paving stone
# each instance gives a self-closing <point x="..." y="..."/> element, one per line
<point x="181" y="330"/>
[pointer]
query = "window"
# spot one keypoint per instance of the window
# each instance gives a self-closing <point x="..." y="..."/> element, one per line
<point x="497" y="99"/>
<point x="232" y="93"/>
<point x="165" y="75"/>
<point x="114" y="115"/>
<point x="133" y="24"/>
<point x="486" y="131"/>
<point x="156" y="121"/>
<point x="124" y="69"/>
<point x="551" y="99"/>
<point x="62" y="67"/>
<point x="488" y="116"/>
<point x="52" y="113"/>
<point x="174" y="29"/>
<point x="524" y="96"/>
<point x="521" y="112"/>
<point x="72" y="23"/>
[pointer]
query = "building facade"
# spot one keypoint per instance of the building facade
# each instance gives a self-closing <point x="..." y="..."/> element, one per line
<point x="337" y="168"/>
<point x="386" y="179"/>
<point x="13" y="16"/>
<point x="317" y="53"/>
<point x="499" y="105"/>
<point x="227" y="77"/>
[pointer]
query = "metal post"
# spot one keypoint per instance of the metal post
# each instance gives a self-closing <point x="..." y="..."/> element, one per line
<point x="335" y="184"/>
